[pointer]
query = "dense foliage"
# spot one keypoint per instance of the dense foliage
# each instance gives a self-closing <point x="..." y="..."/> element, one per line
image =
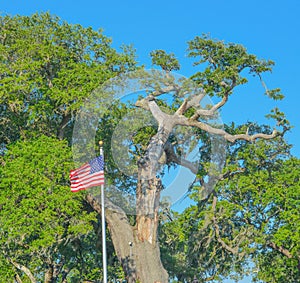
<point x="48" y="68"/>
<point x="249" y="223"/>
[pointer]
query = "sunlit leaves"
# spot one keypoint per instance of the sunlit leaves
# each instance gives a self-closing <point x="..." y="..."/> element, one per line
<point x="167" y="62"/>
<point x="225" y="65"/>
<point x="39" y="214"/>
<point x="48" y="68"/>
<point x="257" y="206"/>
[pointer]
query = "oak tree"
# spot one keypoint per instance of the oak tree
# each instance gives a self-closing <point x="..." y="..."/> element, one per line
<point x="225" y="68"/>
<point x="48" y="70"/>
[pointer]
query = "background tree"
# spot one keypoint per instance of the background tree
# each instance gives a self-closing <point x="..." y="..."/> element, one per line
<point x="48" y="68"/>
<point x="240" y="222"/>
<point x="41" y="223"/>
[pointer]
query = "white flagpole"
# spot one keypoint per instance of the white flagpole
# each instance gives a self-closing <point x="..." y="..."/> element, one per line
<point x="103" y="224"/>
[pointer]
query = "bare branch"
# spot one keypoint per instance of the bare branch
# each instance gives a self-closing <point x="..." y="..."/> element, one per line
<point x="142" y="103"/>
<point x="280" y="249"/>
<point x="194" y="102"/>
<point x="283" y="251"/>
<point x="230" y="173"/>
<point x="207" y="187"/>
<point x="183" y="107"/>
<point x="18" y="278"/>
<point x="24" y="269"/>
<point x="233" y="138"/>
<point x="172" y="157"/>
<point x="165" y="90"/>
<point x="184" y="121"/>
<point x="157" y="113"/>
<point x="161" y="117"/>
<point x="211" y="112"/>
<point x="49" y="274"/>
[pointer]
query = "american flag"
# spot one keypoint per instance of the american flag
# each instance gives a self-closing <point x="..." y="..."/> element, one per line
<point x="89" y="175"/>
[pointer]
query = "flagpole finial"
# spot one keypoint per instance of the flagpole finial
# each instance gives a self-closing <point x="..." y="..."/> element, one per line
<point x="100" y="143"/>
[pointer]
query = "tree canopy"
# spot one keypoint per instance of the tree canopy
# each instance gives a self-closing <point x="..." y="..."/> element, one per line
<point x="245" y="199"/>
<point x="48" y="68"/>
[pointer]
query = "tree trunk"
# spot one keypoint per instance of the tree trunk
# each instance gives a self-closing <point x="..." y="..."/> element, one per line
<point x="138" y="249"/>
<point x="149" y="268"/>
<point x="49" y="275"/>
<point x="141" y="261"/>
<point x="137" y="246"/>
<point x="148" y="262"/>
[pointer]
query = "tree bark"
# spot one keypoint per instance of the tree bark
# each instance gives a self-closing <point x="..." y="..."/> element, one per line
<point x="17" y="278"/>
<point x="136" y="246"/>
<point x="49" y="275"/>
<point x="121" y="234"/>
<point x="25" y="270"/>
<point x="147" y="253"/>
<point x="280" y="249"/>
<point x="61" y="130"/>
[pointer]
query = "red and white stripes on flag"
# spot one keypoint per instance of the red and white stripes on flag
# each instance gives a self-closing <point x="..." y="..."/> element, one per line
<point x="89" y="175"/>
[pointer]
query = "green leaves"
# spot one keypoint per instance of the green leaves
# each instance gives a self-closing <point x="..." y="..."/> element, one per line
<point x="39" y="214"/>
<point x="253" y="217"/>
<point x="167" y="62"/>
<point x="265" y="201"/>
<point x="275" y="94"/>
<point x="48" y="68"/>
<point x="225" y="65"/>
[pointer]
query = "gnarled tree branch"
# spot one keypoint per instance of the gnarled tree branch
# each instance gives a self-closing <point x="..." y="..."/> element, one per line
<point x="24" y="269"/>
<point x="184" y="121"/>
<point x="18" y="278"/>
<point x="283" y="251"/>
<point x="193" y="102"/>
<point x="211" y="112"/>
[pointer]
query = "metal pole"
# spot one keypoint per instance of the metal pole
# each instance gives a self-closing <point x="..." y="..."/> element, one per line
<point x="103" y="225"/>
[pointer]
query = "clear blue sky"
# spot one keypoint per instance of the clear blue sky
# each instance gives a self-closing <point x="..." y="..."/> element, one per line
<point x="270" y="29"/>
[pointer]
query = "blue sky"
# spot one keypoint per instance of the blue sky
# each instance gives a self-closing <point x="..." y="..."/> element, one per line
<point x="269" y="29"/>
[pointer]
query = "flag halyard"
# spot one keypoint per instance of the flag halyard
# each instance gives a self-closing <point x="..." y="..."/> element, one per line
<point x="89" y="175"/>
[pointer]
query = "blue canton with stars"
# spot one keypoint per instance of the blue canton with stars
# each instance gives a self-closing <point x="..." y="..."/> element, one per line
<point x="97" y="164"/>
